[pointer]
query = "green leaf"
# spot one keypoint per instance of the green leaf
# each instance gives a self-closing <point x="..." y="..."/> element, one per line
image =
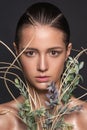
<point x="81" y="65"/>
<point x="17" y="81"/>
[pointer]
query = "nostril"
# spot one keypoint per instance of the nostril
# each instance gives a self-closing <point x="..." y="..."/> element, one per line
<point x="42" y="70"/>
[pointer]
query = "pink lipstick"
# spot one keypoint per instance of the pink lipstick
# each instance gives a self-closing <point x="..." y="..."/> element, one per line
<point x="42" y="79"/>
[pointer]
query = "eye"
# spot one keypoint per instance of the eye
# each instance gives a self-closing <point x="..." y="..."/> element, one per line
<point x="54" y="53"/>
<point x="30" y="53"/>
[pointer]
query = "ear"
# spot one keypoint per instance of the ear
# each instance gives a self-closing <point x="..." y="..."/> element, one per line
<point x="15" y="47"/>
<point x="69" y="48"/>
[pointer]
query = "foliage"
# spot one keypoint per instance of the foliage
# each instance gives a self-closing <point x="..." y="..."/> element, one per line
<point x="57" y="105"/>
<point x="56" y="101"/>
<point x="71" y="78"/>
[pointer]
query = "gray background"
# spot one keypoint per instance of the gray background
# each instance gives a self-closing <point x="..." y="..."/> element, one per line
<point x="76" y="14"/>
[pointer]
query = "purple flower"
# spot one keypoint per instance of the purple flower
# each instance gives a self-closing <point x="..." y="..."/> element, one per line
<point x="52" y="96"/>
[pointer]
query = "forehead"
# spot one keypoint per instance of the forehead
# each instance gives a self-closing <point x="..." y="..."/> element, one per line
<point x="41" y="34"/>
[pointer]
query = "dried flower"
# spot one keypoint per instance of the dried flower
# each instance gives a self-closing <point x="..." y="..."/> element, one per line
<point x="52" y="121"/>
<point x="55" y="121"/>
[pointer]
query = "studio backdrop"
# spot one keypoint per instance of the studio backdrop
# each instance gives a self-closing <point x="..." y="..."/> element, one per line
<point x="76" y="13"/>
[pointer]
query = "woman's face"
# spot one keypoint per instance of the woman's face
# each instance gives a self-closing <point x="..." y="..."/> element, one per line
<point x="43" y="60"/>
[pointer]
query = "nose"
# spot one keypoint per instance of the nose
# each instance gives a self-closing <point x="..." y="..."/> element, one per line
<point x="42" y="64"/>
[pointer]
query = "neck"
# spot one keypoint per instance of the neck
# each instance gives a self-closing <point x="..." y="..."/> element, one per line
<point x="39" y="96"/>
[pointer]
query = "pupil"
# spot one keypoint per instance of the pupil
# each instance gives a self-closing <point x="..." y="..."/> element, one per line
<point x="31" y="53"/>
<point x="53" y="52"/>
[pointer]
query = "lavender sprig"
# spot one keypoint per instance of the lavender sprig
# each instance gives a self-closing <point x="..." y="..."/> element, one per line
<point x="52" y="96"/>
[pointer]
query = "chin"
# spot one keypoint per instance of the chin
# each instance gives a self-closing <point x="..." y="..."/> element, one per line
<point x="41" y="86"/>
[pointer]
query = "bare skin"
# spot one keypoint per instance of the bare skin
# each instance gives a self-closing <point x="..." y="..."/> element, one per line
<point x="8" y="116"/>
<point x="78" y="119"/>
<point x="9" y="120"/>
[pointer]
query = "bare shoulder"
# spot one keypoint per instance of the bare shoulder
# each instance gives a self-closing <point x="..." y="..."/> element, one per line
<point x="78" y="118"/>
<point x="8" y="117"/>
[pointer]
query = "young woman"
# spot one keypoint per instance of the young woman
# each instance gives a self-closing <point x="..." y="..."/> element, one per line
<point x="42" y="42"/>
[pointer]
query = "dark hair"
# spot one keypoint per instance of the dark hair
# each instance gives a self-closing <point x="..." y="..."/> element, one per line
<point x="44" y="14"/>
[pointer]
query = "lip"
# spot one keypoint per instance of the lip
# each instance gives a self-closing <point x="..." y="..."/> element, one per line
<point x="42" y="79"/>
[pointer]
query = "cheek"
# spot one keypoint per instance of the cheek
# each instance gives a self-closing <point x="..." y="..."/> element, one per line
<point x="58" y="68"/>
<point x="27" y="67"/>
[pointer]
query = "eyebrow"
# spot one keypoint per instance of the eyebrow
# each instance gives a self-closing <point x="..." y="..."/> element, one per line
<point x="35" y="49"/>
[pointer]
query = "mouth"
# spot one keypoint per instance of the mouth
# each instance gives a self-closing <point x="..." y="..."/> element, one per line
<point x="42" y="79"/>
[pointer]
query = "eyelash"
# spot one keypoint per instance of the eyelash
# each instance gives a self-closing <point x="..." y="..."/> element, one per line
<point x="30" y="53"/>
<point x="54" y="53"/>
